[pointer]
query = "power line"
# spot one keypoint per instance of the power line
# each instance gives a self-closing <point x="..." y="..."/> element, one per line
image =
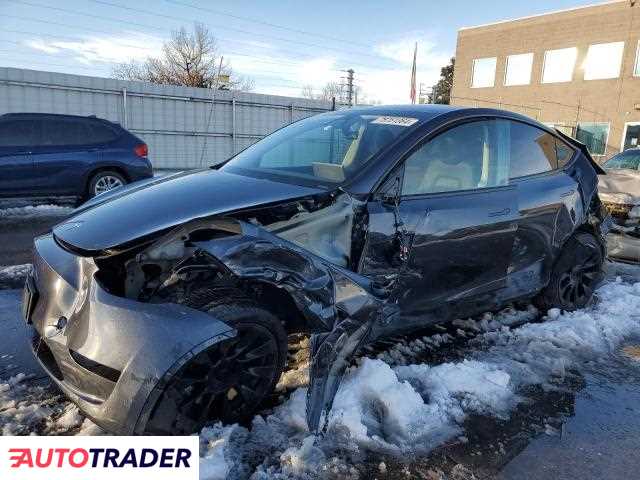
<point x="171" y="17"/>
<point x="243" y="31"/>
<point x="116" y="20"/>
<point x="269" y="24"/>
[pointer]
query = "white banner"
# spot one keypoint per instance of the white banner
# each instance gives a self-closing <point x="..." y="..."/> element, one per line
<point x="99" y="458"/>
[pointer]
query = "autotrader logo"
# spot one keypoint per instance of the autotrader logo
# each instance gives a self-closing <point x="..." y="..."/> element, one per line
<point x="71" y="458"/>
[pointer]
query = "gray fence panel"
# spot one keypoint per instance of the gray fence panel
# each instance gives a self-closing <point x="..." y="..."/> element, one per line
<point x="176" y="122"/>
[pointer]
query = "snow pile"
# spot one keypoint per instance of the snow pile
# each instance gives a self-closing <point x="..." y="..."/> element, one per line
<point x="412" y="409"/>
<point x="31" y="211"/>
<point x="28" y="408"/>
<point x="13" y="275"/>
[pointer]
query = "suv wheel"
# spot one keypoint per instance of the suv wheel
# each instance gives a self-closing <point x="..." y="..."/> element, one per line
<point x="575" y="275"/>
<point x="104" y="181"/>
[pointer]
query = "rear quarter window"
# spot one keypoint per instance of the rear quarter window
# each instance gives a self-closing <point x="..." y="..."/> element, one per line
<point x="532" y="150"/>
<point x="102" y="133"/>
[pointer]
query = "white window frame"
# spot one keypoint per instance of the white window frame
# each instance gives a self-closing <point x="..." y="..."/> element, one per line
<point x="606" y="142"/>
<point x="624" y="133"/>
<point x="473" y="72"/>
<point x="584" y="68"/>
<point x="544" y="65"/>
<point x="636" y="71"/>
<point x="506" y="69"/>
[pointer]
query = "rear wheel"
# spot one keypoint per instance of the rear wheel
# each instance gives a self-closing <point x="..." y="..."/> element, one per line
<point x="228" y="381"/>
<point x="575" y="275"/>
<point x="102" y="182"/>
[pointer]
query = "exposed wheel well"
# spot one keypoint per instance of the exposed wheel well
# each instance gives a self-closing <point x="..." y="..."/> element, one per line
<point x="278" y="302"/>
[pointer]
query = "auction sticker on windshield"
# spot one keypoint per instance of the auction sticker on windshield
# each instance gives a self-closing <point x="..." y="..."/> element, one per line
<point x="99" y="458"/>
<point x="392" y="120"/>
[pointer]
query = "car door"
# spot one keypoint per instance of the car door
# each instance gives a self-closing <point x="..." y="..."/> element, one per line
<point x="443" y="246"/>
<point x="65" y="155"/>
<point x="549" y="204"/>
<point x="17" y="140"/>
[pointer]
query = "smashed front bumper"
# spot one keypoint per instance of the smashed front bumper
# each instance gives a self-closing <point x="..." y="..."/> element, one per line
<point x="110" y="355"/>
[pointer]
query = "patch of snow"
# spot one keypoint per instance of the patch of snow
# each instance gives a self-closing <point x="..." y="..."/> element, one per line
<point x="413" y="408"/>
<point x="31" y="211"/>
<point x="14" y="272"/>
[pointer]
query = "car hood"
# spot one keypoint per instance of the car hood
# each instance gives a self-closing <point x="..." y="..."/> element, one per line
<point x="141" y="210"/>
<point x="620" y="186"/>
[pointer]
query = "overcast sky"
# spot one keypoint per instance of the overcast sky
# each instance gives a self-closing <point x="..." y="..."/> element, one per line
<point x="281" y="44"/>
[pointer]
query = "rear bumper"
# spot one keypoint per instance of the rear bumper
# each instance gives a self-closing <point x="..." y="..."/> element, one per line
<point x="111" y="355"/>
<point x="623" y="247"/>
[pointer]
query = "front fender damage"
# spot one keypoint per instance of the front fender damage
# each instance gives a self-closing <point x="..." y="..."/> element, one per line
<point x="302" y="262"/>
<point x="341" y="308"/>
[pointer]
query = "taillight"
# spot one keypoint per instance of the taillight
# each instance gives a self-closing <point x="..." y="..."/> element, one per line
<point x="141" y="150"/>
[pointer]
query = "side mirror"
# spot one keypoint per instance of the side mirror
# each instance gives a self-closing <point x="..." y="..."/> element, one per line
<point x="391" y="195"/>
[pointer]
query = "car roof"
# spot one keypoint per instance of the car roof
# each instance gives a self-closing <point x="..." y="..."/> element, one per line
<point x="423" y="112"/>
<point x="55" y="115"/>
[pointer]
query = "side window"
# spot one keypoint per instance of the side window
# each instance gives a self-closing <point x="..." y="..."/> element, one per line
<point x="101" y="133"/>
<point x="532" y="150"/>
<point x="66" y="132"/>
<point x="466" y="157"/>
<point x="19" y="133"/>
<point x="564" y="153"/>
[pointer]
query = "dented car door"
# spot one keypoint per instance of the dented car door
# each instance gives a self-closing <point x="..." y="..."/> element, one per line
<point x="446" y="241"/>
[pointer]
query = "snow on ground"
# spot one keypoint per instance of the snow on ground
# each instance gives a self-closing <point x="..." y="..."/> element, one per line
<point x="33" y="211"/>
<point x="14" y="275"/>
<point x="393" y="403"/>
<point x="410" y="409"/>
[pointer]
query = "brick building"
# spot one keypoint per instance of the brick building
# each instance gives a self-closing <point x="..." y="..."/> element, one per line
<point x="576" y="69"/>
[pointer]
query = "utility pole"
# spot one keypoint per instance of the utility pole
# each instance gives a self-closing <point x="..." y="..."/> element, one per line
<point x="350" y="73"/>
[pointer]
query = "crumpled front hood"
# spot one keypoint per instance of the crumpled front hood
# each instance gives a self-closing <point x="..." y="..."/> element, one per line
<point x="620" y="186"/>
<point x="167" y="202"/>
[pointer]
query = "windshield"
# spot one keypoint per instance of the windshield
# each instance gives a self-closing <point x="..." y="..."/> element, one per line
<point x="329" y="148"/>
<point x="629" y="160"/>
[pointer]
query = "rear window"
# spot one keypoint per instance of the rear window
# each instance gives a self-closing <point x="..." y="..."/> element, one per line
<point x="19" y="133"/>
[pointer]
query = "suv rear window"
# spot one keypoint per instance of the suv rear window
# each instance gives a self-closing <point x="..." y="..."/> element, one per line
<point x="66" y="131"/>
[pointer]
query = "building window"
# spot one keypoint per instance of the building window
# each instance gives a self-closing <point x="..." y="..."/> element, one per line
<point x="484" y="72"/>
<point x="636" y="70"/>
<point x="603" y="61"/>
<point x="559" y="64"/>
<point x="518" y="71"/>
<point x="594" y="136"/>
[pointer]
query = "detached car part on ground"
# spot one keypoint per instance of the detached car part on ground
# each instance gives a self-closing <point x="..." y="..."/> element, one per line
<point x="620" y="192"/>
<point x="348" y="226"/>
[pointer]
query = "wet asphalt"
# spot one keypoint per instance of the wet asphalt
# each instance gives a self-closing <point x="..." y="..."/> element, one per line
<point x="590" y="429"/>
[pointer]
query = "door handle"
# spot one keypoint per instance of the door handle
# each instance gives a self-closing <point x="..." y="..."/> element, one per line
<point x="500" y="213"/>
<point x="567" y="193"/>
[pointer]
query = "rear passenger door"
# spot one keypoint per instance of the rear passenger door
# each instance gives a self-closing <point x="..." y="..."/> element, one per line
<point x="64" y="157"/>
<point x="455" y="224"/>
<point x="17" y="140"/>
<point x="548" y="201"/>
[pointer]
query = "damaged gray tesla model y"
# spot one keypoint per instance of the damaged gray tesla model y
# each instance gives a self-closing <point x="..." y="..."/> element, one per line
<point x="163" y="306"/>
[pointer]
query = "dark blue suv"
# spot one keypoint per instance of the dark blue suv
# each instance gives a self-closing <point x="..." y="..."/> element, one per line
<point x="67" y="156"/>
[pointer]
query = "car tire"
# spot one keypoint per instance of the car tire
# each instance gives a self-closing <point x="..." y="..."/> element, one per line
<point x="575" y="275"/>
<point x="104" y="181"/>
<point x="228" y="381"/>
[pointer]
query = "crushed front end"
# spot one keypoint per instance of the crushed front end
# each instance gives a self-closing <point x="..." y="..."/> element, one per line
<point x="108" y="354"/>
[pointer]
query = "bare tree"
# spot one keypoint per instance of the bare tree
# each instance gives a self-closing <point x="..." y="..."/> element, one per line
<point x="307" y="92"/>
<point x="189" y="59"/>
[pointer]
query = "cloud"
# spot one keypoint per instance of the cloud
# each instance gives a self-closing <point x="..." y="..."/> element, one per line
<point x="105" y="49"/>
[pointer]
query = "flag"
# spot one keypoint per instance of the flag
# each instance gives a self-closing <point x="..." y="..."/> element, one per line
<point x="413" y="75"/>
